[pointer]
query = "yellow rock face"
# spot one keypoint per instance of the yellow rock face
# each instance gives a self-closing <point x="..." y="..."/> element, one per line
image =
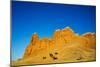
<point x="64" y="46"/>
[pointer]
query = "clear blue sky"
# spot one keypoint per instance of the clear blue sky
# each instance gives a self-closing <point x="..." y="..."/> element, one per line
<point x="45" y="18"/>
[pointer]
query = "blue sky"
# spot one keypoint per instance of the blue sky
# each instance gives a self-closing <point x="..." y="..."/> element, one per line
<point x="45" y="18"/>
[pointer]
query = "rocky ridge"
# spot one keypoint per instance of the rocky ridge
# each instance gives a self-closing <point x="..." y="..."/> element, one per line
<point x="64" y="46"/>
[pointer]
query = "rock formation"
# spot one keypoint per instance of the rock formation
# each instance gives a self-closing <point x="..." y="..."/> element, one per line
<point x="64" y="46"/>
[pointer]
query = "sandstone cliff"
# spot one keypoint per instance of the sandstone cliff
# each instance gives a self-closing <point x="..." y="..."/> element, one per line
<point x="64" y="46"/>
